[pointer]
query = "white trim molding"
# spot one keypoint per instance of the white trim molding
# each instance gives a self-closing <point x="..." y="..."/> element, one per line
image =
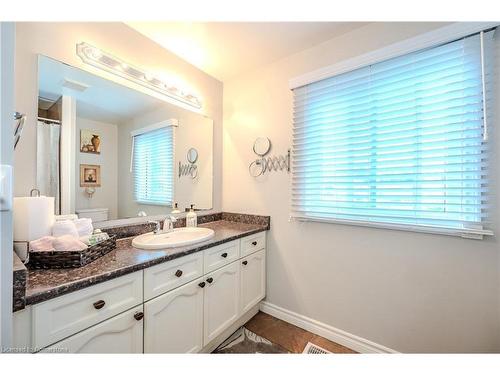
<point x="429" y="39"/>
<point x="163" y="124"/>
<point x="356" y="343"/>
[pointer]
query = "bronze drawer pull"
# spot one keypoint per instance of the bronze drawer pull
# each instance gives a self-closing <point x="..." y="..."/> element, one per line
<point x="178" y="273"/>
<point x="138" y="315"/>
<point x="99" y="304"/>
<point x="245" y="262"/>
<point x="209" y="280"/>
<point x="202" y="284"/>
<point x="224" y="255"/>
<point x="254" y="243"/>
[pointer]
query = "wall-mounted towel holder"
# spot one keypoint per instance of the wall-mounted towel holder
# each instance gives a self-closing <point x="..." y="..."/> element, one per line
<point x="261" y="148"/>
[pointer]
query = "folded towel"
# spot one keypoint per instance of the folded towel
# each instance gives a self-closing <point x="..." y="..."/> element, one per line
<point x="84" y="226"/>
<point x="68" y="242"/>
<point x="98" y="237"/>
<point x="64" y="227"/>
<point x="42" y="244"/>
<point x="85" y="239"/>
<point x="66" y="217"/>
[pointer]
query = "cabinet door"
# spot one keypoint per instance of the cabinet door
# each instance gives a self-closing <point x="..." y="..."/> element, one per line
<point x="174" y="320"/>
<point x="121" y="334"/>
<point x="253" y="280"/>
<point x="61" y="317"/>
<point x="222" y="300"/>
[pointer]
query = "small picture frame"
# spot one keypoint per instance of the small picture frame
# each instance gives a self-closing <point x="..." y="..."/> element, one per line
<point x="90" y="175"/>
<point x="90" y="142"/>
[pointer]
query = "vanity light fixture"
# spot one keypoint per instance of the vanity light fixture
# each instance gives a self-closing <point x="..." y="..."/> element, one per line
<point x="103" y="60"/>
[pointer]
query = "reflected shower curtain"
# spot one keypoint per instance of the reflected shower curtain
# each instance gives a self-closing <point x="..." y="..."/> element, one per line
<point x="47" y="161"/>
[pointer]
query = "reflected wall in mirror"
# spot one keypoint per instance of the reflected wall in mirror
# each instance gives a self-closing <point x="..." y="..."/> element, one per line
<point x="136" y="141"/>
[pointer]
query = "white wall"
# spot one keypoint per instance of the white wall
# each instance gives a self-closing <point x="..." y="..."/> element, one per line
<point x="58" y="40"/>
<point x="407" y="291"/>
<point x="105" y="196"/>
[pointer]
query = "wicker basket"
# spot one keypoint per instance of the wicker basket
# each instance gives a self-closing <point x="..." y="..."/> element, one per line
<point x="70" y="259"/>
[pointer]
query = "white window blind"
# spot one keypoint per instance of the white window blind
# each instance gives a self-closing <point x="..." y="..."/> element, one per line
<point x="153" y="166"/>
<point x="399" y="143"/>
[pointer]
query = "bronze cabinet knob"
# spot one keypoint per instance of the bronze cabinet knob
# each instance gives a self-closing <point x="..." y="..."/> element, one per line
<point x="224" y="255"/>
<point x="254" y="243"/>
<point x="138" y="315"/>
<point x="99" y="304"/>
<point x="178" y="273"/>
<point x="202" y="284"/>
<point x="245" y="262"/>
<point x="209" y="280"/>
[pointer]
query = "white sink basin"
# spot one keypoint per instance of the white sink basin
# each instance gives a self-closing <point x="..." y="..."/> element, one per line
<point x="177" y="237"/>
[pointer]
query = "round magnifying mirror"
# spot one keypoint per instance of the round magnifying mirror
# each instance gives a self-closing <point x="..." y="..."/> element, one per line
<point x="192" y="155"/>
<point x="262" y="146"/>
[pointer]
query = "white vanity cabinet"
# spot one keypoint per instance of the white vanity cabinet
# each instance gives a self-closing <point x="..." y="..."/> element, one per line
<point x="174" y="321"/>
<point x="186" y="305"/>
<point x="222" y="301"/>
<point x="252" y="280"/>
<point x="121" y="334"/>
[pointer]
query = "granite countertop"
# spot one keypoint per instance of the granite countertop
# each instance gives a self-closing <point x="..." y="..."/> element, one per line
<point x="46" y="284"/>
<point x="19" y="283"/>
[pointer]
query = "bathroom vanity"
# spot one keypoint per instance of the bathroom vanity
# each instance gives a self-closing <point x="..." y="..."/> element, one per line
<point x="178" y="300"/>
<point x="128" y="158"/>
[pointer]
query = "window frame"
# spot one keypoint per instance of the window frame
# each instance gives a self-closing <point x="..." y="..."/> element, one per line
<point x="428" y="40"/>
<point x="173" y="123"/>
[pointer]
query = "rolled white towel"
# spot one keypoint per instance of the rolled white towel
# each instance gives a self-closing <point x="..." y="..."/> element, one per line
<point x="42" y="244"/>
<point x="64" y="227"/>
<point x="68" y="242"/>
<point x="84" y="227"/>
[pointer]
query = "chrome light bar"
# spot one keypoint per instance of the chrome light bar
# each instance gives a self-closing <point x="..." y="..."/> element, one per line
<point x="100" y="59"/>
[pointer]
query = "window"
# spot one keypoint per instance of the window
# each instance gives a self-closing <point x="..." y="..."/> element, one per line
<point x="400" y="143"/>
<point x="153" y="166"/>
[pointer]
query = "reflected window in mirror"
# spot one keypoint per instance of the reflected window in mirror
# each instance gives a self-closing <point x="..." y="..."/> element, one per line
<point x="153" y="166"/>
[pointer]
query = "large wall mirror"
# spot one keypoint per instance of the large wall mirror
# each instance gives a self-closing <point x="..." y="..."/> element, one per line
<point x="107" y="151"/>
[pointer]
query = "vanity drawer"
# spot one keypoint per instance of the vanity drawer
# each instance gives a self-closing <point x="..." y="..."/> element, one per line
<point x="63" y="316"/>
<point x="166" y="276"/>
<point x="120" y="334"/>
<point x="253" y="243"/>
<point x="221" y="255"/>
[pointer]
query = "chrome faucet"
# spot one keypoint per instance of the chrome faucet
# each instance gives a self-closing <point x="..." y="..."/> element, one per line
<point x="157" y="230"/>
<point x="168" y="224"/>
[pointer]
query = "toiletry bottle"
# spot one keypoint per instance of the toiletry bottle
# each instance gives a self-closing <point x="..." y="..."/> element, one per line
<point x="175" y="209"/>
<point x="191" y="218"/>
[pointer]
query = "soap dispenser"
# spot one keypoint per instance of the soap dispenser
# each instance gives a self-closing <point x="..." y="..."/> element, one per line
<point x="175" y="209"/>
<point x="191" y="218"/>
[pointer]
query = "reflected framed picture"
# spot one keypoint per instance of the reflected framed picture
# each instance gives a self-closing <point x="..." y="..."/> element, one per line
<point x="90" y="141"/>
<point x="90" y="175"/>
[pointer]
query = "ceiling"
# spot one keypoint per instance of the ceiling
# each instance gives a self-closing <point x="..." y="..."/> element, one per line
<point x="96" y="98"/>
<point x="226" y="49"/>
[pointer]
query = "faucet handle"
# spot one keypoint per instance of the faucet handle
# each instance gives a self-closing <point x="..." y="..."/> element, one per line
<point x="168" y="223"/>
<point x="158" y="225"/>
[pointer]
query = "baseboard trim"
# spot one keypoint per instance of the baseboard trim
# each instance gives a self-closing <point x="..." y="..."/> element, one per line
<point x="339" y="336"/>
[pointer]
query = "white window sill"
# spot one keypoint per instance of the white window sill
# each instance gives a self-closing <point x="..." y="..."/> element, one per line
<point x="148" y="203"/>
<point x="476" y="234"/>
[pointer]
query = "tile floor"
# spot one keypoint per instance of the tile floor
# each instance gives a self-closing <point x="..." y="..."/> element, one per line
<point x="288" y="336"/>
